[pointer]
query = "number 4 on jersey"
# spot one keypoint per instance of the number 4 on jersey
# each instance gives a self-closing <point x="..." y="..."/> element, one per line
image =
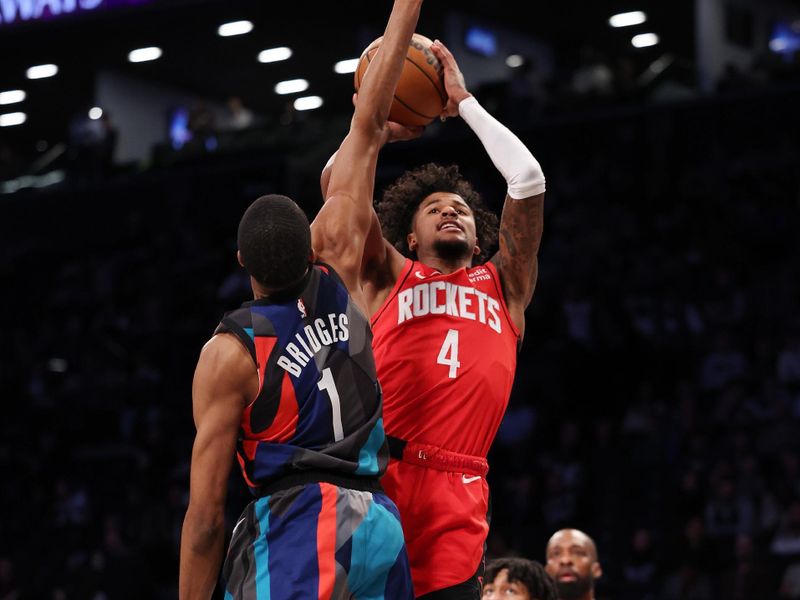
<point x="448" y="355"/>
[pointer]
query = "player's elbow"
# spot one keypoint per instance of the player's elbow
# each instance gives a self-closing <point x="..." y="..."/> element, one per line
<point x="370" y="123"/>
<point x="203" y="526"/>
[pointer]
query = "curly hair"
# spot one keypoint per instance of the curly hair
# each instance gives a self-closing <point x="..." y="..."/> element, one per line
<point x="401" y="199"/>
<point x="529" y="573"/>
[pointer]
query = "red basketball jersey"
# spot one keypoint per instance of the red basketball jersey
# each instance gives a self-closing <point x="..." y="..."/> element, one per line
<point x="445" y="350"/>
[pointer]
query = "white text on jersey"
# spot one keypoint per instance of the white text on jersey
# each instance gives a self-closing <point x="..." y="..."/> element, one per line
<point x="311" y="339"/>
<point x="443" y="297"/>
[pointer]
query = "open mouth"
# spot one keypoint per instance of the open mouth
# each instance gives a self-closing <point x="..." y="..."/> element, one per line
<point x="567" y="577"/>
<point x="450" y="226"/>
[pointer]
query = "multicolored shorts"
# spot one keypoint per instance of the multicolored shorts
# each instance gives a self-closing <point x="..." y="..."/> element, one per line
<point x="318" y="541"/>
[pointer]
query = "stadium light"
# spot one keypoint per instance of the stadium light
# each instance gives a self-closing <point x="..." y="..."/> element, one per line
<point x="291" y="86"/>
<point x="144" y="54"/>
<point x="15" y="118"/>
<point x="627" y="19"/>
<point x="514" y="61"/>
<point x="346" y="66"/>
<point x="42" y="71"/>
<point x="235" y="28"/>
<point x="274" y="54"/>
<point x="307" y="103"/>
<point x="644" y="40"/>
<point x="95" y="113"/>
<point x="12" y="96"/>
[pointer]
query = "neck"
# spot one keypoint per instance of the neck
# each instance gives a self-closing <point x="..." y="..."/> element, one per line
<point x="261" y="291"/>
<point x="442" y="265"/>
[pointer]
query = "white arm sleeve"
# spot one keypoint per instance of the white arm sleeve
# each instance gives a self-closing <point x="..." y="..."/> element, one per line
<point x="515" y="162"/>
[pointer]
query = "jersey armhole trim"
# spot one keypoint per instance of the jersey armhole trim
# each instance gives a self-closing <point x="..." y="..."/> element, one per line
<point x="228" y="325"/>
<point x="496" y="280"/>
<point x="407" y="268"/>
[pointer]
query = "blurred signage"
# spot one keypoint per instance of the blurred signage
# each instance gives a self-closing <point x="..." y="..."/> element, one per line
<point x="21" y="11"/>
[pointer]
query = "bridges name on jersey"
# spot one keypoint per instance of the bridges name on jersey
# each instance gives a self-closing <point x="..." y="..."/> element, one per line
<point x="324" y="332"/>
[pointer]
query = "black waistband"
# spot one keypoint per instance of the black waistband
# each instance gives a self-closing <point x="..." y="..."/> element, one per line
<point x="353" y="482"/>
<point x="396" y="447"/>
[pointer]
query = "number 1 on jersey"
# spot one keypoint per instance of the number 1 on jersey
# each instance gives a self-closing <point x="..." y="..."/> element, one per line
<point x="327" y="384"/>
<point x="450" y="347"/>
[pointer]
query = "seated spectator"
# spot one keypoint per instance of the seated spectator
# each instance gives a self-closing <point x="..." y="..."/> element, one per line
<point x="573" y="564"/>
<point x="517" y="579"/>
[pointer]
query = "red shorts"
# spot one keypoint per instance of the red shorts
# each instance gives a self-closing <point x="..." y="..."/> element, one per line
<point x="444" y="509"/>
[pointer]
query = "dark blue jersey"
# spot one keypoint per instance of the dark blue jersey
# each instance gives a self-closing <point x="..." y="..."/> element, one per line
<point x="318" y="412"/>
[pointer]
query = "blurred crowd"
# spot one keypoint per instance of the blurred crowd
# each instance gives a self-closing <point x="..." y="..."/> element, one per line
<point x="657" y="400"/>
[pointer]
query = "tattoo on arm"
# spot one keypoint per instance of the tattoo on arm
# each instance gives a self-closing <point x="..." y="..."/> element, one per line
<point x="511" y="244"/>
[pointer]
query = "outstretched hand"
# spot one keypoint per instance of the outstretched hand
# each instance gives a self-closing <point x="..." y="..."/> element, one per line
<point x="453" y="79"/>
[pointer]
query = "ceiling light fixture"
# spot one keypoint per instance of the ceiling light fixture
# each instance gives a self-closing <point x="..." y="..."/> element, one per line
<point x="291" y="86"/>
<point x="12" y="96"/>
<point x="644" y="40"/>
<point x="514" y="61"/>
<point x="627" y="19"/>
<point x="346" y="66"/>
<point x="15" y="118"/>
<point x="307" y="103"/>
<point x="42" y="71"/>
<point x="274" y="54"/>
<point x="235" y="28"/>
<point x="145" y="54"/>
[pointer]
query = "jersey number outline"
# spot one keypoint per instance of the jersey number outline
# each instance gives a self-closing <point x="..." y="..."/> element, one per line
<point x="450" y="346"/>
<point x="327" y="384"/>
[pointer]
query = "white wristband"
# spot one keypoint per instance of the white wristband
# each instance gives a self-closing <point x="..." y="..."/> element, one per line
<point x="521" y="170"/>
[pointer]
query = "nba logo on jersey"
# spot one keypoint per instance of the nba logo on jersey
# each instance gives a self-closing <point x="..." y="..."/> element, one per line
<point x="301" y="307"/>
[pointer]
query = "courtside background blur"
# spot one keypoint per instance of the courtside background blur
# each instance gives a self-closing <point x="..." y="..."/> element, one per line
<point x="657" y="399"/>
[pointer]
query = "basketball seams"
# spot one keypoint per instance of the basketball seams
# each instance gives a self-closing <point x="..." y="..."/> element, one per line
<point x="427" y="76"/>
<point x="366" y="59"/>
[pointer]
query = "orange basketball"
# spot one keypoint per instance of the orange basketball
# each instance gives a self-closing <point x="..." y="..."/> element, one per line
<point x="420" y="95"/>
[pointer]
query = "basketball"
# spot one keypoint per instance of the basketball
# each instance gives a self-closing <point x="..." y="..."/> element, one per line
<point x="420" y="95"/>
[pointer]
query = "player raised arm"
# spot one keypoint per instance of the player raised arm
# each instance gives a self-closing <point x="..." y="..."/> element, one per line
<point x="340" y="231"/>
<point x="523" y="210"/>
<point x="219" y="398"/>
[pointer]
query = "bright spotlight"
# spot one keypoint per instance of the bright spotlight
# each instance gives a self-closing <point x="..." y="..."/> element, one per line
<point x="307" y="103"/>
<point x="42" y="71"/>
<point x="12" y="96"/>
<point x="274" y="54"/>
<point x="15" y="118"/>
<point x="291" y="86"/>
<point x="346" y="66"/>
<point x="627" y="19"/>
<point x="145" y="54"/>
<point x="643" y="40"/>
<point x="235" y="28"/>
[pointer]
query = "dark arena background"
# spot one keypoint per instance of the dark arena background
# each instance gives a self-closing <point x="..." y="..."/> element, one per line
<point x="657" y="399"/>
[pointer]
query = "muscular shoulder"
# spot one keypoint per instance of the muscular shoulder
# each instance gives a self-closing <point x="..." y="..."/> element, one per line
<point x="225" y="366"/>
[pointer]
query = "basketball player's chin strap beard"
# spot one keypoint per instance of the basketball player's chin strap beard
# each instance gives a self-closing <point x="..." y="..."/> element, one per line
<point x="516" y="164"/>
<point x="452" y="251"/>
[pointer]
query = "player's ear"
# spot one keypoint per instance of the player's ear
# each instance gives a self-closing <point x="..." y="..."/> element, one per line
<point x="597" y="570"/>
<point x="476" y="250"/>
<point x="239" y="258"/>
<point x="411" y="240"/>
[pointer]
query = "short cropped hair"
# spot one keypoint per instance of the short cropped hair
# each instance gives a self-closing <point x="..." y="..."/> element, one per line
<point x="400" y="201"/>
<point x="527" y="572"/>
<point x="274" y="240"/>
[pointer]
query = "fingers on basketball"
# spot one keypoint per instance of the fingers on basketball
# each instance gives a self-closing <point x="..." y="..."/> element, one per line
<point x="420" y="96"/>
